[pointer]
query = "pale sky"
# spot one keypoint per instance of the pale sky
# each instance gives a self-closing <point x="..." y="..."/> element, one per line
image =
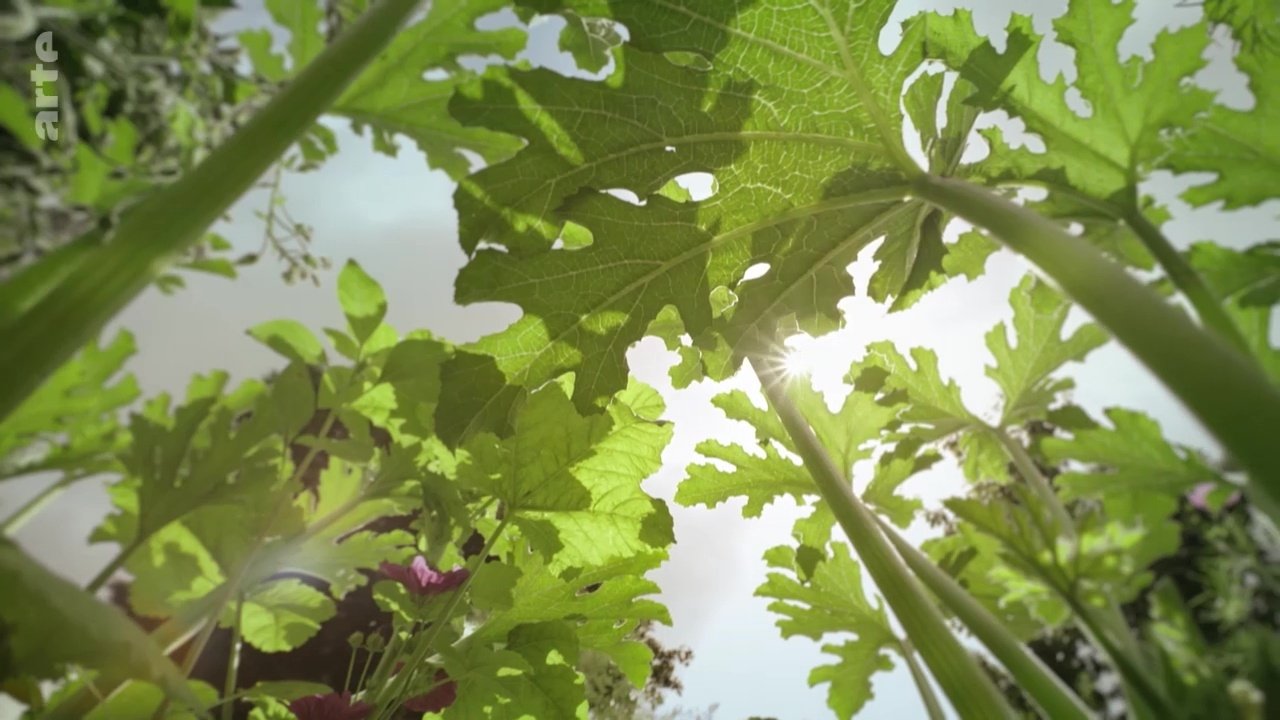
<point x="395" y="217"/>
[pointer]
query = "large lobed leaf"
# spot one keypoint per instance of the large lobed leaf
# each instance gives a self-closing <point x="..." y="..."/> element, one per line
<point x="828" y="604"/>
<point x="789" y="116"/>
<point x="393" y="98"/>
<point x="572" y="482"/>
<point x="763" y="477"/>
<point x="70" y="423"/>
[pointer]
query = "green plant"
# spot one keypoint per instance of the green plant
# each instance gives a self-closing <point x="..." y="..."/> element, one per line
<point x="517" y="460"/>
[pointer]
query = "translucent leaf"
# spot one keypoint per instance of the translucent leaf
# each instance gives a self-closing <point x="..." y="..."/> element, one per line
<point x="291" y="339"/>
<point x="1023" y="370"/>
<point x="831" y="603"/>
<point x="788" y="117"/>
<point x="1132" y="457"/>
<point x="70" y="423"/>
<point x="282" y="615"/>
<point x="572" y="483"/>
<point x="1131" y="102"/>
<point x="362" y="300"/>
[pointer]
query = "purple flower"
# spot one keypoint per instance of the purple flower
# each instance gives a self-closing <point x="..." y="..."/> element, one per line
<point x="437" y="698"/>
<point x="329" y="707"/>
<point x="420" y="579"/>
<point x="1198" y="496"/>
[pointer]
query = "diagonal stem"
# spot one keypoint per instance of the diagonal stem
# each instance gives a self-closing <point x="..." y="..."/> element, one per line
<point x="1186" y="279"/>
<point x="101" y="278"/>
<point x="970" y="690"/>
<point x="927" y="696"/>
<point x="1224" y="388"/>
<point x="1037" y="680"/>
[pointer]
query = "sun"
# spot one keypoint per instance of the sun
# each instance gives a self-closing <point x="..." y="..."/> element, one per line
<point x="800" y="356"/>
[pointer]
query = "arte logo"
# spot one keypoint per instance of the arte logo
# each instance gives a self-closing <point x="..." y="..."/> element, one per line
<point x="45" y="82"/>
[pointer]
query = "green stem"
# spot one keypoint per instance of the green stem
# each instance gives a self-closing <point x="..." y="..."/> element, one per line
<point x="930" y="699"/>
<point x="189" y="662"/>
<point x="351" y="668"/>
<point x="172" y="219"/>
<point x="233" y="659"/>
<point x="971" y="691"/>
<point x="1139" y="687"/>
<point x="32" y="507"/>
<point x="1186" y="279"/>
<point x="402" y="682"/>
<point x="1108" y="619"/>
<point x="1222" y="387"/>
<point x="1038" y="483"/>
<point x="1045" y="688"/>
<point x="365" y="672"/>
<point x="116" y="563"/>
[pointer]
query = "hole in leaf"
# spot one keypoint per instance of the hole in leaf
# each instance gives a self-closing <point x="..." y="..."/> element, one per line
<point x="755" y="271"/>
<point x="625" y="195"/>
<point x="700" y="185"/>
<point x="573" y="237"/>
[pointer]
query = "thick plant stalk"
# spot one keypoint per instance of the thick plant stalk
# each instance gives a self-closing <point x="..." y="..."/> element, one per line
<point x="99" y="283"/>
<point x="1222" y="387"/>
<point x="967" y="686"/>
<point x="1039" y="683"/>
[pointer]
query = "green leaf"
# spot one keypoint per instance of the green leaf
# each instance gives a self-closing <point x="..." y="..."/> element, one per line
<point x="814" y="93"/>
<point x="1239" y="145"/>
<point x="761" y="480"/>
<point x="606" y="601"/>
<point x="257" y="45"/>
<point x="1248" y="284"/>
<point x="302" y="18"/>
<point x="362" y="300"/>
<point x="934" y="402"/>
<point x="573" y="482"/>
<point x="338" y="547"/>
<point x="46" y="624"/>
<point x="412" y="369"/>
<point x="286" y="689"/>
<point x="1130" y="458"/>
<point x="200" y="455"/>
<point x="293" y="398"/>
<point x="139" y="700"/>
<point x="832" y="602"/>
<point x="15" y="117"/>
<point x="892" y="471"/>
<point x="535" y="676"/>
<point x="589" y="40"/>
<point x="761" y="477"/>
<point x="291" y="339"/>
<point x="393" y="98"/>
<point x="934" y="409"/>
<point x="1251" y="276"/>
<point x="1023" y="371"/>
<point x="1131" y="102"/>
<point x="281" y="615"/>
<point x="850" y="676"/>
<point x="70" y="423"/>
